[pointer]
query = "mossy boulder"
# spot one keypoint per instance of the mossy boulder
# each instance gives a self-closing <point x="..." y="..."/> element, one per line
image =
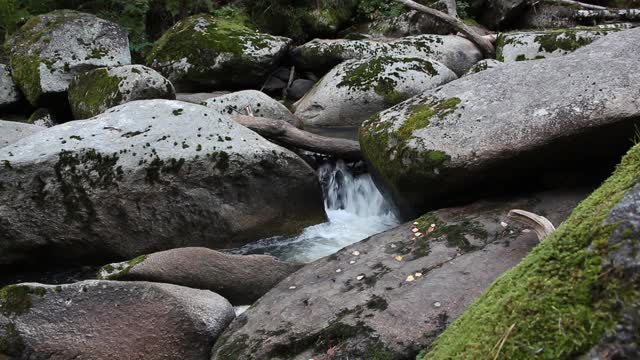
<point x="146" y="176"/>
<point x="241" y="279"/>
<point x="262" y="105"/>
<point x="391" y="295"/>
<point x="42" y="117"/>
<point x="10" y="95"/>
<point x="12" y="131"/>
<point x="320" y="56"/>
<point x="93" y="92"/>
<point x="207" y="52"/>
<point x="115" y="320"/>
<point x="457" y="143"/>
<point x="50" y="49"/>
<point x="521" y="46"/>
<point x="577" y="292"/>
<point x="357" y="89"/>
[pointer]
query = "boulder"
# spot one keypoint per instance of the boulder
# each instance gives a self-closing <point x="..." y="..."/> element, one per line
<point x="93" y="92"/>
<point x="199" y="98"/>
<point x="483" y="65"/>
<point x="299" y="88"/>
<point x="241" y="279"/>
<point x="110" y="320"/>
<point x="146" y="176"/>
<point x="50" y="49"/>
<point x="42" y="117"/>
<point x="498" y="14"/>
<point x="203" y="51"/>
<point x="9" y="93"/>
<point x="357" y="89"/>
<point x="565" y="115"/>
<point x="455" y="52"/>
<point x="11" y="131"/>
<point x="548" y="16"/>
<point x="536" y="45"/>
<point x="261" y="104"/>
<point x="575" y="294"/>
<point x="390" y="295"/>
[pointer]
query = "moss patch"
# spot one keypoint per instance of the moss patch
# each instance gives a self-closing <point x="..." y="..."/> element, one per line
<point x="93" y="92"/>
<point x="116" y="273"/>
<point x="15" y="300"/>
<point x="11" y="342"/>
<point x="557" y="297"/>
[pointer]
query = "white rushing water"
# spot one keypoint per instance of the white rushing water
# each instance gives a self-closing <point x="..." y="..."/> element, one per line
<point x="355" y="208"/>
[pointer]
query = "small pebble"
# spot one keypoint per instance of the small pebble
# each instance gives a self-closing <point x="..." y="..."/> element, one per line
<point x="360" y="277"/>
<point x="339" y="270"/>
<point x="418" y="274"/>
<point x="504" y="224"/>
<point x="410" y="278"/>
<point x="437" y="304"/>
<point x="398" y="258"/>
<point x="393" y="246"/>
<point x="292" y="287"/>
<point x="414" y="230"/>
<point x="418" y="234"/>
<point x="415" y="223"/>
<point x="352" y="262"/>
<point x="355" y="253"/>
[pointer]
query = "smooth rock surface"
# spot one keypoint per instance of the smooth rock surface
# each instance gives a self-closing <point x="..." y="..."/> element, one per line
<point x="521" y="46"/>
<point x="198" y="98"/>
<point x="93" y="92"/>
<point x="571" y="114"/>
<point x="356" y="89"/>
<point x="203" y="51"/>
<point x="299" y="88"/>
<point x="390" y="295"/>
<point x="483" y="65"/>
<point x="11" y="131"/>
<point x="455" y="52"/>
<point x="110" y="320"/>
<point x="241" y="279"/>
<point x="9" y="93"/>
<point x="146" y="176"/>
<point x="50" y="49"/>
<point x="262" y="104"/>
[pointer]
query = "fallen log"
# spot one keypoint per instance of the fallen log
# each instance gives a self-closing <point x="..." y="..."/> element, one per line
<point x="285" y="133"/>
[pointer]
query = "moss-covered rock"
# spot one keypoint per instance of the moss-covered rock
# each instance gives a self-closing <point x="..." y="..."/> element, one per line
<point x="357" y="89"/>
<point x="50" y="49"/>
<point x="236" y="103"/>
<point x="93" y="92"/>
<point x="483" y="65"/>
<point x="42" y="117"/>
<point x="216" y="52"/>
<point x="571" y="291"/>
<point x="520" y="46"/>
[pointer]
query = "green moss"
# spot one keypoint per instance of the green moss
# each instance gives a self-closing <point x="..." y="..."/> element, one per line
<point x="422" y="114"/>
<point x="11" y="342"/>
<point x="521" y="57"/>
<point x="455" y="232"/>
<point x="15" y="300"/>
<point x="25" y="70"/>
<point x="97" y="53"/>
<point x="567" y="40"/>
<point x="121" y="272"/>
<point x="558" y="297"/>
<point x="93" y="92"/>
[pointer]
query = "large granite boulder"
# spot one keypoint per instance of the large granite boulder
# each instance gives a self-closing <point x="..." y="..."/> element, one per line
<point x="146" y="176"/>
<point x="455" y="52"/>
<point x="204" y="51"/>
<point x="262" y="105"/>
<point x="520" y="46"/>
<point x="390" y="295"/>
<point x="241" y="279"/>
<point x="356" y="89"/>
<point x="483" y="65"/>
<point x="50" y="49"/>
<point x="110" y="320"/>
<point x="512" y="126"/>
<point x="9" y="93"/>
<point x="93" y="92"/>
<point x="576" y="293"/>
<point x="11" y="131"/>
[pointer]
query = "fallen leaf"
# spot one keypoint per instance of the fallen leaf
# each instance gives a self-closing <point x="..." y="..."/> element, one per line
<point x="418" y="274"/>
<point x="355" y="253"/>
<point x="410" y="278"/>
<point x="360" y="277"/>
<point x="339" y="270"/>
<point x="415" y="230"/>
<point x="352" y="262"/>
<point x="430" y="229"/>
<point x="291" y="287"/>
<point x="398" y="258"/>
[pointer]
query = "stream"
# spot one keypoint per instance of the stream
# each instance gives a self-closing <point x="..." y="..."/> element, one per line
<point x="355" y="208"/>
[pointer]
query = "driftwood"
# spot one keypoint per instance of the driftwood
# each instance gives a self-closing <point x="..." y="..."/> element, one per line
<point x="540" y="224"/>
<point x="609" y="14"/>
<point x="581" y="4"/>
<point x="285" y="133"/>
<point x="485" y="45"/>
<point x="285" y="91"/>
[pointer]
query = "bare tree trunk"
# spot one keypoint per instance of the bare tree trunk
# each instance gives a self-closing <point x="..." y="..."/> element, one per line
<point x="452" y="8"/>
<point x="285" y="133"/>
<point x="487" y="48"/>
<point x="583" y="5"/>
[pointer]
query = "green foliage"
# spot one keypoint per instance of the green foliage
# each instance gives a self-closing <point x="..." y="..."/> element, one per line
<point x="12" y="15"/>
<point x="462" y="7"/>
<point x="375" y="9"/>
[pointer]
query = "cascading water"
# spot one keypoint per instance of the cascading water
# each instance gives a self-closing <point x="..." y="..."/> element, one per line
<point x="355" y="208"/>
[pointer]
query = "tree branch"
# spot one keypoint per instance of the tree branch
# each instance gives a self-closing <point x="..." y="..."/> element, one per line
<point x="487" y="48"/>
<point x="540" y="224"/>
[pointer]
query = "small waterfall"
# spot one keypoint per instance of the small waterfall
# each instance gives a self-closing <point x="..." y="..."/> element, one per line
<point x="355" y="208"/>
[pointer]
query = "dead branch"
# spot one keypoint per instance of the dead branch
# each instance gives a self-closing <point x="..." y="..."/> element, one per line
<point x="540" y="224"/>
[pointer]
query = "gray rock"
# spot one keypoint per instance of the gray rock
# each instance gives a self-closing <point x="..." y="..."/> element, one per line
<point x="261" y="103"/>
<point x="199" y="98"/>
<point x="496" y="14"/>
<point x="299" y="88"/>
<point x="274" y="85"/>
<point x="548" y="16"/>
<point x="241" y="279"/>
<point x="93" y="92"/>
<point x="11" y="131"/>
<point x="455" y="52"/>
<point x="357" y="89"/>
<point x="203" y="50"/>
<point x="50" y="49"/>
<point x="110" y="320"/>
<point x="536" y="45"/>
<point x="567" y="114"/>
<point x="408" y="23"/>
<point x="390" y="295"/>
<point x="483" y="65"/>
<point x="42" y="117"/>
<point x="146" y="176"/>
<point x="9" y="93"/>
